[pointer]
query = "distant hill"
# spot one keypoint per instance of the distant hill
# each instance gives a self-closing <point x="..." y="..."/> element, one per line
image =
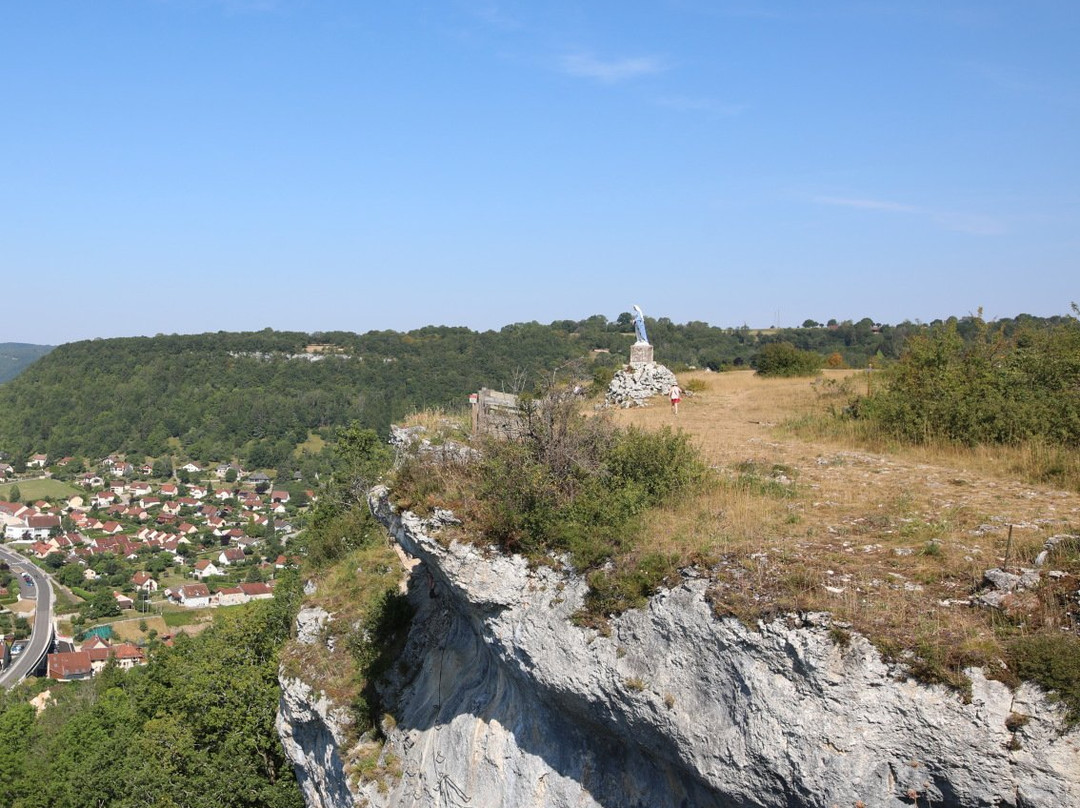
<point x="257" y="396"/>
<point x="15" y="356"/>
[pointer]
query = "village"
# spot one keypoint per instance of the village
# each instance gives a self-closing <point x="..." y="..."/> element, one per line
<point x="133" y="551"/>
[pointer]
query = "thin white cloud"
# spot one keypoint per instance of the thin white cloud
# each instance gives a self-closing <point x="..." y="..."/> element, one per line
<point x="786" y="12"/>
<point x="684" y="103"/>
<point x="610" y="71"/>
<point x="866" y="204"/>
<point x="1023" y="83"/>
<point x="494" y="15"/>
<point x="975" y="224"/>
<point x="232" y="6"/>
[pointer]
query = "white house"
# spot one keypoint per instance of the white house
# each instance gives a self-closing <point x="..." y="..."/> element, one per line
<point x="205" y="568"/>
<point x="193" y="596"/>
<point x="31" y="526"/>
<point x="231" y="555"/>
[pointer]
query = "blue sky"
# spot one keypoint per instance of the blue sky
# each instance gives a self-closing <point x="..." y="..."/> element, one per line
<point x="179" y="166"/>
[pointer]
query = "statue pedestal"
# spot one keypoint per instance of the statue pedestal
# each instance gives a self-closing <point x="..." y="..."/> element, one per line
<point x="641" y="353"/>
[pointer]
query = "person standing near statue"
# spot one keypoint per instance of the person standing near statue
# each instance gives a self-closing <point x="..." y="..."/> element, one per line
<point x="675" y="394"/>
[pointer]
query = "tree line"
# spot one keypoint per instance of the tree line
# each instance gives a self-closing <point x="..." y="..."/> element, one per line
<point x="256" y="396"/>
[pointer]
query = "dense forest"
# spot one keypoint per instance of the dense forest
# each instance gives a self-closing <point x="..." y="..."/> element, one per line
<point x="257" y="396"/>
<point x="16" y="356"/>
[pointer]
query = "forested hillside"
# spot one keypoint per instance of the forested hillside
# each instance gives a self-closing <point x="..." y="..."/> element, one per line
<point x="193" y="728"/>
<point x="16" y="356"/>
<point x="256" y="396"/>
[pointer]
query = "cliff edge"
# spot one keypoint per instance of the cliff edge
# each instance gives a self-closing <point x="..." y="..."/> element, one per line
<point x="500" y="700"/>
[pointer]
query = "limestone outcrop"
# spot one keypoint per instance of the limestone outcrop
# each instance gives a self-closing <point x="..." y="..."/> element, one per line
<point x="500" y="700"/>
<point x="312" y="730"/>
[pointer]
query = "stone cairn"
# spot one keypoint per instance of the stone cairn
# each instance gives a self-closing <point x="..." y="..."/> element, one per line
<point x="633" y="386"/>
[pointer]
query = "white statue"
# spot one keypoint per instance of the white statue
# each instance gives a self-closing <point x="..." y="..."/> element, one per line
<point x="639" y="326"/>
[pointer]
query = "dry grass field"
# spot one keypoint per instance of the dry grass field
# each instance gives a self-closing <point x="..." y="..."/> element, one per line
<point x="893" y="543"/>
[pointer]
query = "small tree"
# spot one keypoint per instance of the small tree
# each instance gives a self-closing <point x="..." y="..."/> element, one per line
<point x="15" y="495"/>
<point x="163" y="468"/>
<point x="102" y="604"/>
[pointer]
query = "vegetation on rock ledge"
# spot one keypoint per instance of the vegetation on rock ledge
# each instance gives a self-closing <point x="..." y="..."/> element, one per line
<point x="567" y="485"/>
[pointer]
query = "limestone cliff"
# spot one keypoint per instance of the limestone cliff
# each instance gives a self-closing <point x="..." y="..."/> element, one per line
<point x="501" y="701"/>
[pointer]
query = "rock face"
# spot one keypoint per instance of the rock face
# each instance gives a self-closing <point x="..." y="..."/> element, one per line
<point x="501" y="701"/>
<point x="631" y="388"/>
<point x="312" y="730"/>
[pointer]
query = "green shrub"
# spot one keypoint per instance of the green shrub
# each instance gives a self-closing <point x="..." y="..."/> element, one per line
<point x="602" y="377"/>
<point x="983" y="389"/>
<point x="575" y="486"/>
<point x="661" y="462"/>
<point x="784" y="359"/>
<point x="375" y="643"/>
<point x="1053" y="662"/>
<point x="629" y="585"/>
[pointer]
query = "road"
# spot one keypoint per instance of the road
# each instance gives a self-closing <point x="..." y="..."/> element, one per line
<point x="41" y="638"/>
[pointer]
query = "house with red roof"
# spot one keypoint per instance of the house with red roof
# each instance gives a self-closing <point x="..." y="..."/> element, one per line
<point x="231" y="555"/>
<point x="102" y="499"/>
<point x="256" y="590"/>
<point x="70" y="666"/>
<point x="127" y="656"/>
<point x="140" y="488"/>
<point x="144" y="581"/>
<point x="122" y="469"/>
<point x="41" y="549"/>
<point x="231" y="596"/>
